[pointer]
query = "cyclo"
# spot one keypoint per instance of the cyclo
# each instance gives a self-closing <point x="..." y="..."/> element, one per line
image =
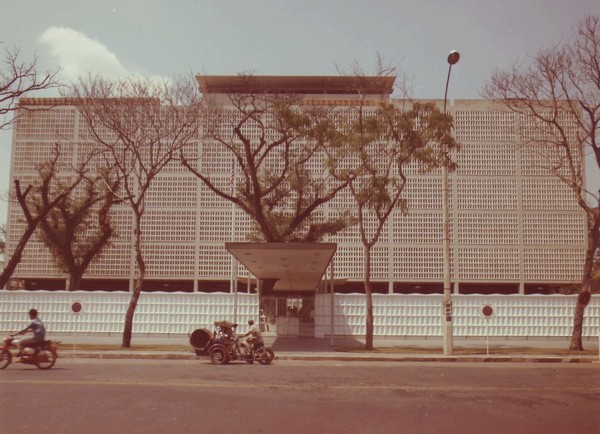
<point x="222" y="346"/>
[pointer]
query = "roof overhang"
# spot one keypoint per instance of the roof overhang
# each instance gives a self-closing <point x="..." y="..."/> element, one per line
<point x="292" y="266"/>
<point x="302" y="85"/>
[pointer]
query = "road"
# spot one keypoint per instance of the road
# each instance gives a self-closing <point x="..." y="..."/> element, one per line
<point x="162" y="396"/>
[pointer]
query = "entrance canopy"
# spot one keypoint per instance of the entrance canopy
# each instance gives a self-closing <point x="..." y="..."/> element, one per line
<point x="291" y="266"/>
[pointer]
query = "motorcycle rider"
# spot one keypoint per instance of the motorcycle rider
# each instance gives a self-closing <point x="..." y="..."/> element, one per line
<point x="255" y="337"/>
<point x="39" y="332"/>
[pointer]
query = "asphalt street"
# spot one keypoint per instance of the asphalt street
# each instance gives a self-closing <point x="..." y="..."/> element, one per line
<point x="160" y="396"/>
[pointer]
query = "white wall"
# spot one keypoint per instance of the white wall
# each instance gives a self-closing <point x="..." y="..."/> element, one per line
<point x="104" y="312"/>
<point x="421" y="315"/>
<point x="395" y="315"/>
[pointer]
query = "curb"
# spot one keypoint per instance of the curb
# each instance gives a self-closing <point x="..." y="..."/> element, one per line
<point x="341" y="358"/>
<point x="443" y="359"/>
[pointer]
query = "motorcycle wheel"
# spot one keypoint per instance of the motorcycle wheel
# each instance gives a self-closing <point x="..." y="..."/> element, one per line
<point x="5" y="358"/>
<point x="45" y="359"/>
<point x="265" y="356"/>
<point x="218" y="356"/>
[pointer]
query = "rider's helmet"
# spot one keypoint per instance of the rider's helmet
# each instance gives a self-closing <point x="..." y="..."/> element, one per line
<point x="250" y="322"/>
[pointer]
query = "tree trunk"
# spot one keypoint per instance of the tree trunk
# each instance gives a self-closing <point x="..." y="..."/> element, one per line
<point x="75" y="280"/>
<point x="576" y="337"/>
<point x="139" y="282"/>
<point x="369" y="300"/>
<point x="586" y="283"/>
<point x="128" y="327"/>
<point x="9" y="269"/>
<point x="15" y="258"/>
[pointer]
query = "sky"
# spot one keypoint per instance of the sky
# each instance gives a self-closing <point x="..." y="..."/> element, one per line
<point x="168" y="39"/>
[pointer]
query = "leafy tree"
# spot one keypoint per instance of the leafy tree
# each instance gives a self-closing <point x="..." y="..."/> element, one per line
<point x="79" y="226"/>
<point x="18" y="79"/>
<point x="273" y="140"/>
<point x="51" y="190"/>
<point x="559" y="93"/>
<point x="385" y="144"/>
<point x="139" y="126"/>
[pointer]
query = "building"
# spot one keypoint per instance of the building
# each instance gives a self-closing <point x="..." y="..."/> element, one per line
<point x="515" y="228"/>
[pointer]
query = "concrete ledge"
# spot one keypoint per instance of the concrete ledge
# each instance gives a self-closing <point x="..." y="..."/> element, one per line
<point x="341" y="357"/>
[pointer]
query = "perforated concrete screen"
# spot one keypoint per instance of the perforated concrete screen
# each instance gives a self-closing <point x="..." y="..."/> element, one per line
<point x="512" y="221"/>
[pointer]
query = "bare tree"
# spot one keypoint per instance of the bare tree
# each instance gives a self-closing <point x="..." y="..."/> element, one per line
<point x="559" y="93"/>
<point x="79" y="226"/>
<point x="139" y="125"/>
<point x="18" y="79"/>
<point x="2" y="239"/>
<point x="273" y="140"/>
<point x="51" y="190"/>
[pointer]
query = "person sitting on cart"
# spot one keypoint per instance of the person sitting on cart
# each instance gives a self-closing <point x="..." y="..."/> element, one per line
<point x="254" y="338"/>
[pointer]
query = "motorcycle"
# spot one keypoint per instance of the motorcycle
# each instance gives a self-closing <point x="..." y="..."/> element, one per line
<point x="222" y="346"/>
<point x="41" y="354"/>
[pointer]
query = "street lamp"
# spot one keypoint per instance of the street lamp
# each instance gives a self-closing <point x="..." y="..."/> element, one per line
<point x="453" y="58"/>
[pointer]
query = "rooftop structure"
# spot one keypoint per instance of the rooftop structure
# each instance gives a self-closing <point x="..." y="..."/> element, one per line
<point x="301" y="85"/>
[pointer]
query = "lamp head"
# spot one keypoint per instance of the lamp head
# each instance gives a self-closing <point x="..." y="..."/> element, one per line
<point x="453" y="57"/>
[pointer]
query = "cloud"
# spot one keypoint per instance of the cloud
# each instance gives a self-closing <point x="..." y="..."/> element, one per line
<point x="77" y="55"/>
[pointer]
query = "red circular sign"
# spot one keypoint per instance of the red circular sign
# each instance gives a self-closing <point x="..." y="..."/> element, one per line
<point x="76" y="307"/>
<point x="487" y="310"/>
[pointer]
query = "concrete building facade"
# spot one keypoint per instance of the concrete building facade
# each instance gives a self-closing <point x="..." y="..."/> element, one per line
<point x="515" y="227"/>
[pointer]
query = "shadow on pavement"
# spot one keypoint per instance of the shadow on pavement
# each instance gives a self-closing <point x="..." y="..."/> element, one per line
<point x="307" y="344"/>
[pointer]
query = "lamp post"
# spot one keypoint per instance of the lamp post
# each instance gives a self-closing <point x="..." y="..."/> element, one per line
<point x="453" y="58"/>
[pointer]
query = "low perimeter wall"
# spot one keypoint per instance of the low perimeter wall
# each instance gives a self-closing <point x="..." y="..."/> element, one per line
<point x="394" y="315"/>
<point x="422" y="315"/>
<point x="104" y="312"/>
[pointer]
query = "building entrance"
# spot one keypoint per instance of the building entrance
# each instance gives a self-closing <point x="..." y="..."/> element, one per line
<point x="288" y="316"/>
<point x="288" y="275"/>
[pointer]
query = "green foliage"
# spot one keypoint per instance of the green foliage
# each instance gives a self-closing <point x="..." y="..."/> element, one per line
<point x="275" y="142"/>
<point x="309" y="231"/>
<point x="385" y="144"/>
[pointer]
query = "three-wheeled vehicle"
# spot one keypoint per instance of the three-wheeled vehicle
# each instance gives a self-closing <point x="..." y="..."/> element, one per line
<point x="222" y="346"/>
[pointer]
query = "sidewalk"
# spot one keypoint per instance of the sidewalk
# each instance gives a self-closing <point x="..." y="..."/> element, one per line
<point x="538" y="350"/>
